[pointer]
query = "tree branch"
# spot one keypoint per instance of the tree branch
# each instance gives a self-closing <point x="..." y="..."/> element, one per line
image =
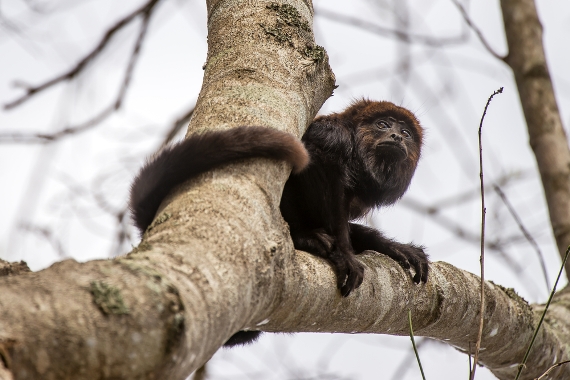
<point x="145" y="10"/>
<point x="45" y="138"/>
<point x="477" y="31"/>
<point x="546" y="133"/>
<point x="392" y="33"/>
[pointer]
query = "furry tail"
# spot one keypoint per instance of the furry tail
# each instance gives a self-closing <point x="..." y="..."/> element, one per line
<point x="201" y="153"/>
<point x="242" y="338"/>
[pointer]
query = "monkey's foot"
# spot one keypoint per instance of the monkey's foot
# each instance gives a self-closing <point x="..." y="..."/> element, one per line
<point x="410" y="255"/>
<point x="349" y="271"/>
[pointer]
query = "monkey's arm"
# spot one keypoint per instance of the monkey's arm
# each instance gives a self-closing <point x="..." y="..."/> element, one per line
<point x="365" y="238"/>
<point x="348" y="270"/>
<point x="320" y="224"/>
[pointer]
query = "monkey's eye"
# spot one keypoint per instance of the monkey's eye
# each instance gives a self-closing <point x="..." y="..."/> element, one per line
<point x="382" y="124"/>
<point x="406" y="133"/>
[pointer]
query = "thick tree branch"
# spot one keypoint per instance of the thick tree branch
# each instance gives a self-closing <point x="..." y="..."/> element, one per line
<point x="546" y="133"/>
<point x="218" y="257"/>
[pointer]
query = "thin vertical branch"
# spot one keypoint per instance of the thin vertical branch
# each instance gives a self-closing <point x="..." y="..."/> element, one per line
<point x="547" y="137"/>
<point x="525" y="232"/>
<point x="414" y="344"/>
<point x="483" y="211"/>
<point x="527" y="353"/>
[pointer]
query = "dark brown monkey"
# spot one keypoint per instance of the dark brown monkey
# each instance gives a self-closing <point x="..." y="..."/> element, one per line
<point x="360" y="159"/>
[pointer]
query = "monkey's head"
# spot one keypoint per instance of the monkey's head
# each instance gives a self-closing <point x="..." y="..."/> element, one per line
<point x="389" y="140"/>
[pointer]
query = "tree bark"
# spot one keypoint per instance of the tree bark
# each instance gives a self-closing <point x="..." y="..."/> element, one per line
<point x="546" y="133"/>
<point x="218" y="258"/>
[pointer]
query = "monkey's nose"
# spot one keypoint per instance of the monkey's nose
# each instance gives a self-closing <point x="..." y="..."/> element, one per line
<point x="396" y="137"/>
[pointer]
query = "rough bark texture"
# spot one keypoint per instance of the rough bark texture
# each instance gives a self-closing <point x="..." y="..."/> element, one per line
<point x="218" y="257"/>
<point x="547" y="137"/>
<point x="196" y="277"/>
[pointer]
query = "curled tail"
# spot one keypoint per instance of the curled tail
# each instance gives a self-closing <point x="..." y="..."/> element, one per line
<point x="201" y="153"/>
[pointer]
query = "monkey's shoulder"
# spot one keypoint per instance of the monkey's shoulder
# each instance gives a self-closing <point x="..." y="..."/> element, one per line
<point x="329" y="136"/>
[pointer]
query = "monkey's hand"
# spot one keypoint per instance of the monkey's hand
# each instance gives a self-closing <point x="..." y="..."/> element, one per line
<point x="407" y="255"/>
<point x="349" y="271"/>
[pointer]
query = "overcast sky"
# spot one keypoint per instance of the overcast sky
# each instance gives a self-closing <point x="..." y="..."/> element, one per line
<point x="59" y="200"/>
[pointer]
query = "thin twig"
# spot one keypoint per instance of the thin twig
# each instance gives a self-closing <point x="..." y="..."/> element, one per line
<point x="404" y="365"/>
<point x="145" y="10"/>
<point x="386" y="32"/>
<point x="477" y="31"/>
<point x="47" y="234"/>
<point x="483" y="212"/>
<point x="543" y="376"/>
<point x="414" y="344"/>
<point x="44" y="138"/>
<point x="177" y="126"/>
<point x="469" y="353"/>
<point x="468" y="195"/>
<point x="462" y="233"/>
<point x="527" y="353"/>
<point x="526" y="234"/>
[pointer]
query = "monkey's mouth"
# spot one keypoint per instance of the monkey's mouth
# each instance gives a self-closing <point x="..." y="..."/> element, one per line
<point x="392" y="149"/>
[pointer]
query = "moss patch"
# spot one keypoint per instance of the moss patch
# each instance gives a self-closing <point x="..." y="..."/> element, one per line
<point x="511" y="293"/>
<point x="290" y="16"/>
<point x="316" y="53"/>
<point x="108" y="298"/>
<point x="161" y="219"/>
<point x="291" y="29"/>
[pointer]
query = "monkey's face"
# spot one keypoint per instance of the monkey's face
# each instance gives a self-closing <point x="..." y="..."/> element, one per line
<point x="389" y="147"/>
<point x="391" y="138"/>
<point x="390" y="141"/>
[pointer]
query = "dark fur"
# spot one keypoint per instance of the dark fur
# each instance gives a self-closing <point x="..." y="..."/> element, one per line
<point x="361" y="159"/>
<point x="200" y="153"/>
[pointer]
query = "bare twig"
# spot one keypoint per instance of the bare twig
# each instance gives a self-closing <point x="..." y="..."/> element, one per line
<point x="526" y="234"/>
<point x="414" y="344"/>
<point x="469" y="353"/>
<point x="527" y="353"/>
<point x="483" y="212"/>
<point x="477" y="31"/>
<point x="44" y="138"/>
<point x="47" y="234"/>
<point x="404" y="366"/>
<point x="177" y="126"/>
<point x="453" y="227"/>
<point x="543" y="376"/>
<point x="145" y="10"/>
<point x="393" y="33"/>
<point x="468" y="195"/>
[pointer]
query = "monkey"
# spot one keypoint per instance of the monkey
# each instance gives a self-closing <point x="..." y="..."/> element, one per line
<point x="345" y="165"/>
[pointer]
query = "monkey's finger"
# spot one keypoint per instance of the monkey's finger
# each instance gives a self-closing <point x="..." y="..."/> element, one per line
<point x="425" y="268"/>
<point x="417" y="268"/>
<point x="353" y="281"/>
<point x="341" y="272"/>
<point x="399" y="257"/>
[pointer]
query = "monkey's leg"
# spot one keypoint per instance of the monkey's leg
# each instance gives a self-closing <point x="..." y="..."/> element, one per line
<point x="365" y="238"/>
<point x="349" y="271"/>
